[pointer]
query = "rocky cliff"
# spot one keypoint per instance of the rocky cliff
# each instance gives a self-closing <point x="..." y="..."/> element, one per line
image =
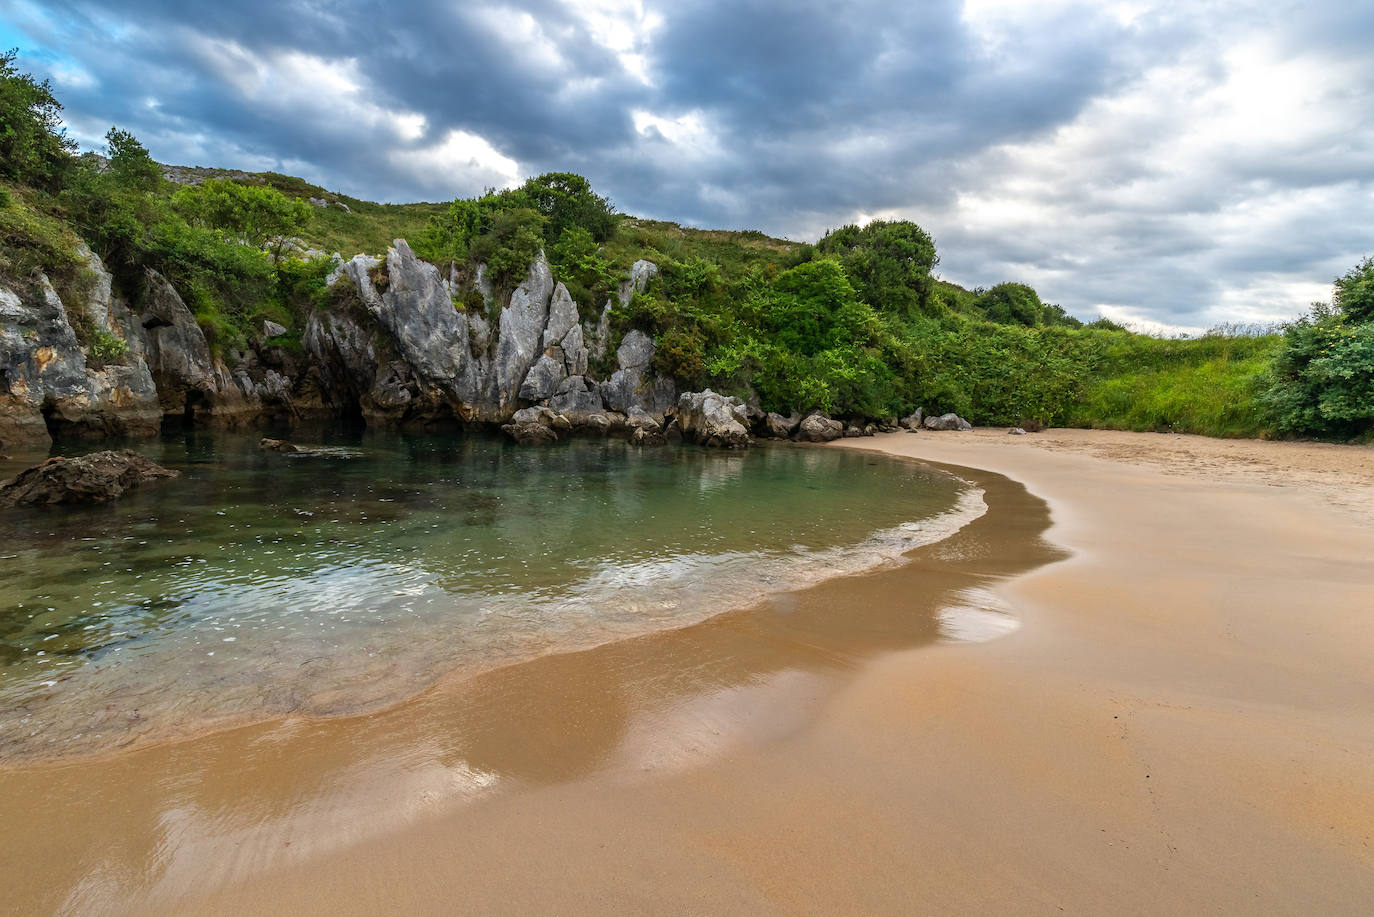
<point x="395" y="350"/>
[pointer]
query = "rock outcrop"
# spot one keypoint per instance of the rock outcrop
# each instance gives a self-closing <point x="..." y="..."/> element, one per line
<point x="711" y="419"/>
<point x="947" y="422"/>
<point x="95" y="478"/>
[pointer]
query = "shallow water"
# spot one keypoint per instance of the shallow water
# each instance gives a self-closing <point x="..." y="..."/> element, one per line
<point x="261" y="583"/>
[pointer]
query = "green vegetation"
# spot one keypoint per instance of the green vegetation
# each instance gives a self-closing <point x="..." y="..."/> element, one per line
<point x="1321" y="382"/>
<point x="856" y="325"/>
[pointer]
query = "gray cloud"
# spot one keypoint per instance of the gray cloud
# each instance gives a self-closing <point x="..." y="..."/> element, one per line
<point x="1183" y="167"/>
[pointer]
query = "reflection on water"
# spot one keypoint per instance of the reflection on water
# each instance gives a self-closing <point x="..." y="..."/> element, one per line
<point x="261" y="583"/>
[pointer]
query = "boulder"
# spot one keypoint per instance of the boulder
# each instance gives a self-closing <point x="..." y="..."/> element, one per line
<point x="912" y="421"/>
<point x="641" y="436"/>
<point x="277" y="445"/>
<point x="639" y="419"/>
<point x="95" y="478"/>
<point x="779" y="427"/>
<point x="711" y="419"/>
<point x="530" y="434"/>
<point x="852" y="432"/>
<point x="271" y="329"/>
<point x="947" y="422"/>
<point x="817" y="428"/>
<point x="1017" y="431"/>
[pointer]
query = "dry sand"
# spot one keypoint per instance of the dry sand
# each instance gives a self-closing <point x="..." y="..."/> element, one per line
<point x="1183" y="724"/>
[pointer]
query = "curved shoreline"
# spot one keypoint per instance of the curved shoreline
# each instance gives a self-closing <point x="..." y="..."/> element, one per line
<point x="1183" y="724"/>
<point x="665" y="702"/>
<point x="784" y="574"/>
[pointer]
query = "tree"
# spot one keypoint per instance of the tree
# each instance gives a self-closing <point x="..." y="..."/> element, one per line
<point x="1012" y="304"/>
<point x="1354" y="293"/>
<point x="34" y="147"/>
<point x="131" y="167"/>
<point x="567" y="200"/>
<point x="252" y="214"/>
<point x="889" y="263"/>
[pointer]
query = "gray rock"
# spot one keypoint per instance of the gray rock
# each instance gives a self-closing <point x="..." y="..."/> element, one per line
<point x="639" y="419"/>
<point x="640" y="436"/>
<point x="562" y="317"/>
<point x="947" y="422"/>
<point x="95" y="478"/>
<point x="579" y="401"/>
<point x="852" y="432"/>
<point x="711" y="419"/>
<point x="912" y="421"/>
<point x="519" y="336"/>
<point x="1017" y="431"/>
<point x="40" y="363"/>
<point x="598" y="336"/>
<point x="640" y="274"/>
<point x="530" y="434"/>
<point x="271" y="329"/>
<point x="543" y="379"/>
<point x="780" y="427"/>
<point x="817" y="428"/>
<point x="636" y="351"/>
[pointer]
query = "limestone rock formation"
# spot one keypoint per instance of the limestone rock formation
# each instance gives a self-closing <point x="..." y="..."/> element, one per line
<point x="711" y="419"/>
<point x="947" y="422"/>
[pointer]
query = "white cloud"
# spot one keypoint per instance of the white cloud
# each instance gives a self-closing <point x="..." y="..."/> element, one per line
<point x="459" y="161"/>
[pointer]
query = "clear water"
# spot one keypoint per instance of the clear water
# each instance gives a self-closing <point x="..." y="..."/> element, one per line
<point x="261" y="583"/>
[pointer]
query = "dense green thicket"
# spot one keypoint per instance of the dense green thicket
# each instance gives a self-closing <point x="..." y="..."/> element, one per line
<point x="1321" y="382"/>
<point x="856" y="325"/>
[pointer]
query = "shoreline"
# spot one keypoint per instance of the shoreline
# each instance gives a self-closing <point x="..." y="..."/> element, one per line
<point x="1182" y="722"/>
<point x="883" y="548"/>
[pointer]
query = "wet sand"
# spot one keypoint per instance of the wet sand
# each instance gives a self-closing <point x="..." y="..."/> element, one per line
<point x="1183" y="723"/>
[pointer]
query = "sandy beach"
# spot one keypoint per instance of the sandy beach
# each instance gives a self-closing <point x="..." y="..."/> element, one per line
<point x="1182" y="723"/>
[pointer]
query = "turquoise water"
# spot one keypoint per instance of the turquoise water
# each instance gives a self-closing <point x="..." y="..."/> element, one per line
<point x="259" y="583"/>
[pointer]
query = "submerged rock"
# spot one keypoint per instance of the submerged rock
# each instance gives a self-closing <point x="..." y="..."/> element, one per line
<point x="95" y="478"/>
<point x="947" y="422"/>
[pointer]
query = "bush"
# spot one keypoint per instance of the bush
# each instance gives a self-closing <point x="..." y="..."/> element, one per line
<point x="107" y="348"/>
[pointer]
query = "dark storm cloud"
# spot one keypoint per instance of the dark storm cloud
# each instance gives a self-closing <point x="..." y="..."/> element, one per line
<point x="1081" y="147"/>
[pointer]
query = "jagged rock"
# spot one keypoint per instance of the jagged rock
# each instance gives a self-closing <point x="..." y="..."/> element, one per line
<point x="817" y="428"/>
<point x="641" y="272"/>
<point x="778" y="427"/>
<point x="543" y="379"/>
<point x="641" y="436"/>
<point x="277" y="445"/>
<point x="852" y="432"/>
<point x="95" y="478"/>
<point x="578" y="400"/>
<point x="543" y="416"/>
<point x="271" y="329"/>
<point x="711" y="419"/>
<point x="575" y="356"/>
<point x="633" y="384"/>
<point x="869" y="429"/>
<point x="598" y="336"/>
<point x="912" y="421"/>
<point x="947" y="422"/>
<point x="190" y="382"/>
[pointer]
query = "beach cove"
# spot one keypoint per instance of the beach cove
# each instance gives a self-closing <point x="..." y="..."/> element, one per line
<point x="1181" y="722"/>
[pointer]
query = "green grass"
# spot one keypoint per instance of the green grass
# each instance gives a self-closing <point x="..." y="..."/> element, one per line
<point x="1205" y="385"/>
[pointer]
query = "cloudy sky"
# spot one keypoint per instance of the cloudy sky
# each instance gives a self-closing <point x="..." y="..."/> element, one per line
<point x="1182" y="163"/>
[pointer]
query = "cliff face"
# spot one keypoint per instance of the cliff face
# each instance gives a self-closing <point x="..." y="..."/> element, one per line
<point x="397" y="353"/>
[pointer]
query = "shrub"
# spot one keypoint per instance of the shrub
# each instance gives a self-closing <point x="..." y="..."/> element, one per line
<point x="107" y="348"/>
